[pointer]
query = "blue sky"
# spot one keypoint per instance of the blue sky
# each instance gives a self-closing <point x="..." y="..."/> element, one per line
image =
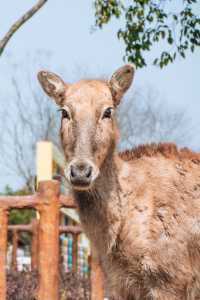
<point x="64" y="28"/>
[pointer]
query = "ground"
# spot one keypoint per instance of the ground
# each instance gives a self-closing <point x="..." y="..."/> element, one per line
<point x="23" y="286"/>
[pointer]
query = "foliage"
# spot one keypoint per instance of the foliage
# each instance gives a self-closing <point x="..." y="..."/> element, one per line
<point x="148" y="22"/>
<point x="19" y="216"/>
<point x="22" y="216"/>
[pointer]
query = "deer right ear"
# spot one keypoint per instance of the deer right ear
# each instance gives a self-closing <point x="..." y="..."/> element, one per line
<point x="121" y="81"/>
<point x="53" y="85"/>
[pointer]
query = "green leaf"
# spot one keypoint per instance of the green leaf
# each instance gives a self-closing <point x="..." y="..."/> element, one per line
<point x="146" y="23"/>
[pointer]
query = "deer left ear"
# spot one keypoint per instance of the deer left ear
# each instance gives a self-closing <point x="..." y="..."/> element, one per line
<point x="53" y="85"/>
<point x="121" y="81"/>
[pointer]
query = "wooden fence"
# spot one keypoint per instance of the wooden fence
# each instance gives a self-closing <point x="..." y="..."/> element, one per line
<point x="45" y="240"/>
<point x="33" y="229"/>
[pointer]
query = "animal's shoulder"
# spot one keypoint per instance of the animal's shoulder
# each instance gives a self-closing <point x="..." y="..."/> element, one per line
<point x="167" y="150"/>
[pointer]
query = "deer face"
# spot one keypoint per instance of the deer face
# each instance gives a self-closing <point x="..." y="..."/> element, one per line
<point x="88" y="124"/>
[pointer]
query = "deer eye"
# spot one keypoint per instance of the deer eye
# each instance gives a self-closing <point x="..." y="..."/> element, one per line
<point x="107" y="113"/>
<point x="65" y="113"/>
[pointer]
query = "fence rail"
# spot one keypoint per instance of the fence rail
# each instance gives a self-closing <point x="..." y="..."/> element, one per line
<point x="33" y="229"/>
<point x="45" y="240"/>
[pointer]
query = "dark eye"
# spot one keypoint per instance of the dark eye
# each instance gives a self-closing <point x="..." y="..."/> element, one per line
<point x="65" y="114"/>
<point x="107" y="113"/>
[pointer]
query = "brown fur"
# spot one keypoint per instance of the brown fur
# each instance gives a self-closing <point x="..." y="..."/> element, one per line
<point x="142" y="211"/>
<point x="168" y="150"/>
<point x="144" y="221"/>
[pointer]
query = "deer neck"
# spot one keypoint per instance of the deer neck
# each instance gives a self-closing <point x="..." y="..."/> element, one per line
<point x="104" y="188"/>
<point x="99" y="208"/>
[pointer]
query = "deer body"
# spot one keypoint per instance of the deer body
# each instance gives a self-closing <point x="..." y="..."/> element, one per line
<point x="141" y="208"/>
<point x="146" y="232"/>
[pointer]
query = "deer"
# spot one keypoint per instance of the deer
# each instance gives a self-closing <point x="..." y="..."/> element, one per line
<point x="140" y="208"/>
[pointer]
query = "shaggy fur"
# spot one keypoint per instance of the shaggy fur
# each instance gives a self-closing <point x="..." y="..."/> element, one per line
<point x="144" y="222"/>
<point x="168" y="150"/>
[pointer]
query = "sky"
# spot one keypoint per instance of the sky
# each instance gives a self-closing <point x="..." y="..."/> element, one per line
<point x="64" y="28"/>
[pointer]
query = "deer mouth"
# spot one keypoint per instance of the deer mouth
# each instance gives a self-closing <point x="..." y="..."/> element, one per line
<point x="81" y="184"/>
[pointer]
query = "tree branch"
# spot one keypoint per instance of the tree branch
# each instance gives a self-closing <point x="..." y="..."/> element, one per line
<point x="19" y="23"/>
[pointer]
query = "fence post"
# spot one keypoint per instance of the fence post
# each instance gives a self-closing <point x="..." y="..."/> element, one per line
<point x="34" y="245"/>
<point x="14" y="250"/>
<point x="74" y="252"/>
<point x="48" y="240"/>
<point x="97" y="288"/>
<point x="3" y="252"/>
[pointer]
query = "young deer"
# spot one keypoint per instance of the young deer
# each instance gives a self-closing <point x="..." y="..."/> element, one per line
<point x="140" y="208"/>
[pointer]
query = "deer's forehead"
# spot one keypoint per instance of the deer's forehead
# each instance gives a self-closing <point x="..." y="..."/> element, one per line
<point x="92" y="94"/>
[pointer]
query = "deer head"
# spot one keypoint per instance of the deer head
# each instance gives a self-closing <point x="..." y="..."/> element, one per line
<point x="88" y="124"/>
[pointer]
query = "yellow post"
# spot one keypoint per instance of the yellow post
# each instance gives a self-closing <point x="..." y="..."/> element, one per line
<point x="44" y="161"/>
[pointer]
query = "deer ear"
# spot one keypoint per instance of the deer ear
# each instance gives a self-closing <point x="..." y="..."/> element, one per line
<point x="53" y="85"/>
<point x="121" y="81"/>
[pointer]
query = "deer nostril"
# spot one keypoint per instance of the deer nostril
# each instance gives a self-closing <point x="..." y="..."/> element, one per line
<point x="72" y="171"/>
<point x="88" y="172"/>
<point x="80" y="171"/>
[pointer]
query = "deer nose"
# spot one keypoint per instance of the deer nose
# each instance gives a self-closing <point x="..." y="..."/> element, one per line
<point x="80" y="174"/>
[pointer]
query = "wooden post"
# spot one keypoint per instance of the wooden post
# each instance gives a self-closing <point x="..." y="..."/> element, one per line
<point x="34" y="245"/>
<point x="3" y="252"/>
<point x="14" y="250"/>
<point x="48" y="240"/>
<point x="97" y="288"/>
<point x="74" y="252"/>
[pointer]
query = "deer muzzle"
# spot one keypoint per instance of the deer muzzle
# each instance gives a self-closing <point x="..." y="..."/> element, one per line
<point x="81" y="174"/>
